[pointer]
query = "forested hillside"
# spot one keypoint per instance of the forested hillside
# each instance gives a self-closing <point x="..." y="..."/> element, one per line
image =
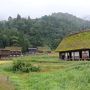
<point x="44" y="31"/>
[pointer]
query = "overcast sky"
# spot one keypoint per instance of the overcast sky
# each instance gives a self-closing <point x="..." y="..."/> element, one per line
<point x="38" y="8"/>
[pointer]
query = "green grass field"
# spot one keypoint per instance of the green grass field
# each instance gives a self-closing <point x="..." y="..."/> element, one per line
<point x="54" y="75"/>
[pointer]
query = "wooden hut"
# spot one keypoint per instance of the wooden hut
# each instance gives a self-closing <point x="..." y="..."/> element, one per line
<point x="75" y="46"/>
<point x="4" y="53"/>
<point x="14" y="51"/>
<point x="44" y="50"/>
<point x="32" y="50"/>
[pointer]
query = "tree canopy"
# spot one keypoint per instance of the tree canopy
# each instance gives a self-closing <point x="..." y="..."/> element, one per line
<point x="44" y="31"/>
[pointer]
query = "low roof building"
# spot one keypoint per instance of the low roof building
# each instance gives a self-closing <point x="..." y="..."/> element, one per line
<point x="75" y="46"/>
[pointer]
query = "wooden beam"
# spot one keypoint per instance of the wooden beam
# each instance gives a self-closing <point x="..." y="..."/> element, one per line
<point x="80" y="54"/>
<point x="70" y="56"/>
<point x="89" y="53"/>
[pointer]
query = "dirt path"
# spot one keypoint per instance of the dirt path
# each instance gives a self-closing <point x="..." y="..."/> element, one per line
<point x="5" y="84"/>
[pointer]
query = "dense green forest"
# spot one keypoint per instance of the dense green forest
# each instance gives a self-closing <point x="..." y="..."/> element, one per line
<point x="44" y="31"/>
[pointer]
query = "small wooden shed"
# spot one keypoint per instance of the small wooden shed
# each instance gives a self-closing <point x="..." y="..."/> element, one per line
<point x="44" y="50"/>
<point x="32" y="50"/>
<point x="14" y="50"/>
<point x="4" y="53"/>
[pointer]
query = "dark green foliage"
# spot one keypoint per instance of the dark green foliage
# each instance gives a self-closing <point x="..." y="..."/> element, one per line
<point x="44" y="31"/>
<point x="24" y="66"/>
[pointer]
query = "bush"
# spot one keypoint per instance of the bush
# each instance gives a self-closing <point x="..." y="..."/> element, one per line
<point x="24" y="66"/>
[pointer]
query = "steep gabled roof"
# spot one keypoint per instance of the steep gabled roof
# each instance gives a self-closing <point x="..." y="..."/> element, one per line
<point x="75" y="41"/>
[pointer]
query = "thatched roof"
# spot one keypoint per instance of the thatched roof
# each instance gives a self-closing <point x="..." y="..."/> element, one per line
<point x="13" y="48"/>
<point x="75" y="41"/>
<point x="44" y="49"/>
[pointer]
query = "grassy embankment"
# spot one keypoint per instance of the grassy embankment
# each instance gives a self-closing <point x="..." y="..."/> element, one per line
<point x="54" y="74"/>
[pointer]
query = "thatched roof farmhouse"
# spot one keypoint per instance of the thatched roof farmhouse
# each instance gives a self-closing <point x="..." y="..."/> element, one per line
<point x="14" y="50"/>
<point x="75" y="46"/>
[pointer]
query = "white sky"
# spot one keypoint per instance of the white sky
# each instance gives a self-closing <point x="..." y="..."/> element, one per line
<point x="38" y="8"/>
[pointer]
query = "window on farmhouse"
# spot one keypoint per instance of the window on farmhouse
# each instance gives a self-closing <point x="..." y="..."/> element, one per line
<point x="75" y="55"/>
<point x="85" y="54"/>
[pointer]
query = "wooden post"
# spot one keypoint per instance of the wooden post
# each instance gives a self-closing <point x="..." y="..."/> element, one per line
<point x="80" y="55"/>
<point x="89" y="54"/>
<point x="70" y="56"/>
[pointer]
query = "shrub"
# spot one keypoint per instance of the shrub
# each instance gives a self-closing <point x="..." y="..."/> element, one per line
<point x="24" y="66"/>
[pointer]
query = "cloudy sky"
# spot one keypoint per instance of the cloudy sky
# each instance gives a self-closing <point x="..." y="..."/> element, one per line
<point x="38" y="8"/>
